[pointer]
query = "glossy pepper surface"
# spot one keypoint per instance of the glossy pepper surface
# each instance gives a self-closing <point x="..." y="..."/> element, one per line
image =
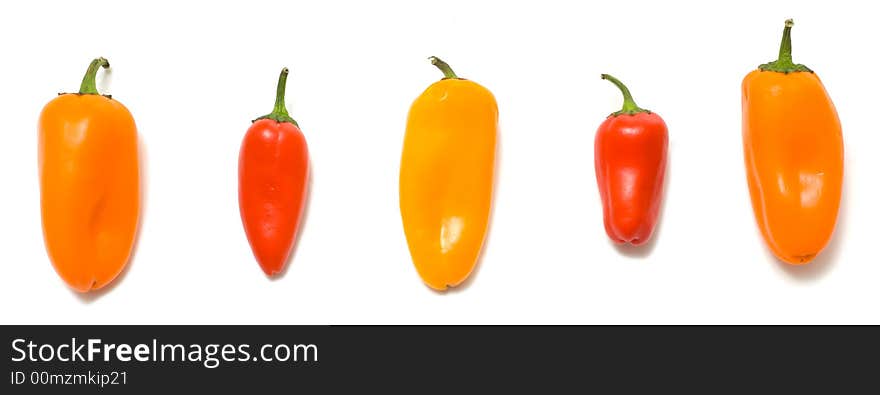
<point x="630" y="160"/>
<point x="89" y="184"/>
<point x="273" y="171"/>
<point x="793" y="147"/>
<point x="446" y="177"/>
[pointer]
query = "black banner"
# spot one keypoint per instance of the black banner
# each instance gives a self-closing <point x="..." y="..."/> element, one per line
<point x="123" y="359"/>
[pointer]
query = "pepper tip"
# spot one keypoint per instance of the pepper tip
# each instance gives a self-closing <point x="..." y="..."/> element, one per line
<point x="789" y="22"/>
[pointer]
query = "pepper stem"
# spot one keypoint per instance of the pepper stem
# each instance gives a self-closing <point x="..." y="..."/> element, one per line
<point x="279" y="112"/>
<point x="629" y="105"/>
<point x="785" y="45"/>
<point x="444" y="67"/>
<point x="785" y="64"/>
<point x="88" y="86"/>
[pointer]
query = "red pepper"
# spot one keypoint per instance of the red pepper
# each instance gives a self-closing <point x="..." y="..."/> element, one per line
<point x="273" y="170"/>
<point x="630" y="161"/>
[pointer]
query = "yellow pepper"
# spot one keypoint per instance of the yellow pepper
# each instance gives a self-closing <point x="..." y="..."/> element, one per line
<point x="446" y="177"/>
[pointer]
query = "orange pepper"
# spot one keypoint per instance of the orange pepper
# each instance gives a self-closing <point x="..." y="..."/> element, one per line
<point x="446" y="177"/>
<point x="89" y="184"/>
<point x="793" y="148"/>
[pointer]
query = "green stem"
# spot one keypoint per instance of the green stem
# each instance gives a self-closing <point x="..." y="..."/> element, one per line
<point x="444" y="67"/>
<point x="629" y="105"/>
<point x="785" y="45"/>
<point x="279" y="112"/>
<point x="88" y="86"/>
<point x="785" y="64"/>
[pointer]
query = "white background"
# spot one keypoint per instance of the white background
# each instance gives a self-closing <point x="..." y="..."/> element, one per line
<point x="195" y="74"/>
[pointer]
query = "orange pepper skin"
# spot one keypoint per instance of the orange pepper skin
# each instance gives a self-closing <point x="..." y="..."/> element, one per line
<point x="90" y="186"/>
<point x="447" y="172"/>
<point x="794" y="157"/>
